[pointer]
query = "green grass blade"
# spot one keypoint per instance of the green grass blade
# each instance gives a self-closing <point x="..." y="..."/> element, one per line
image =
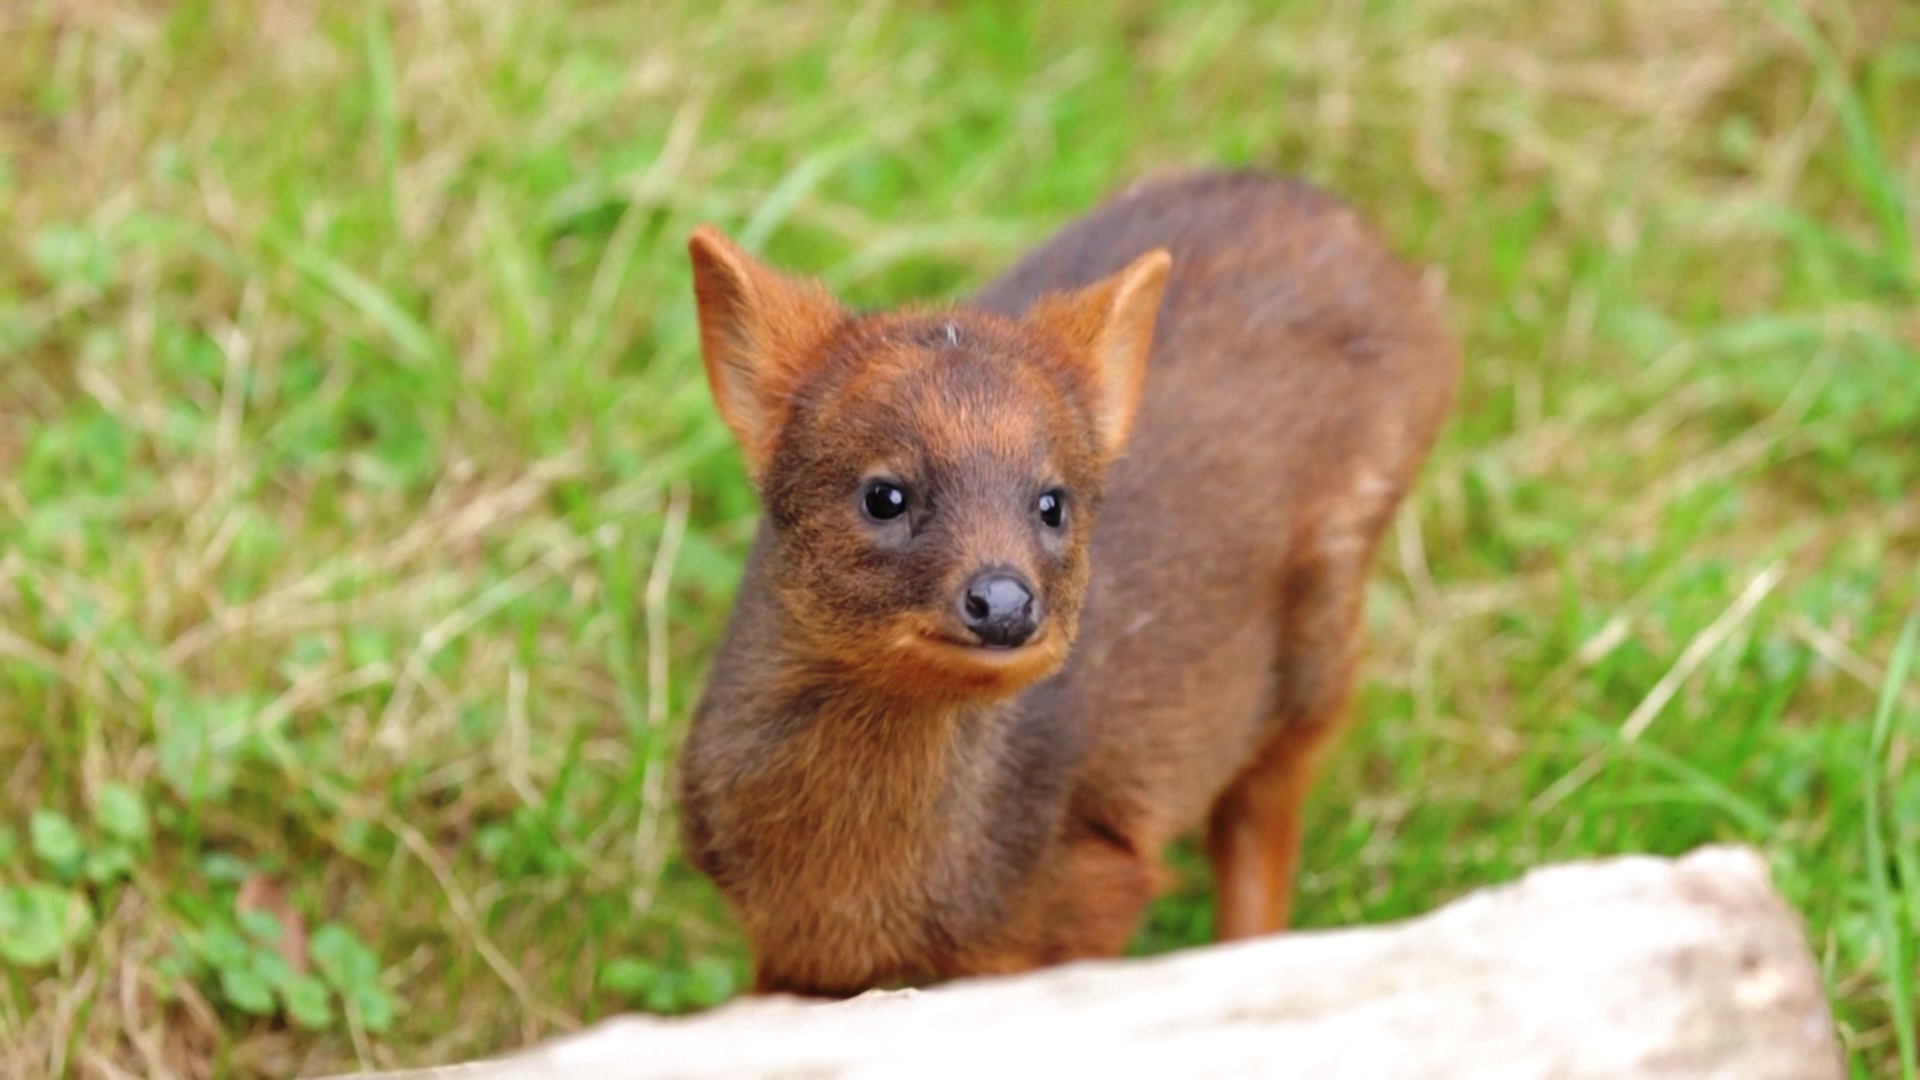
<point x="1878" y="181"/>
<point x="412" y="337"/>
<point x="378" y="47"/>
<point x="1886" y="905"/>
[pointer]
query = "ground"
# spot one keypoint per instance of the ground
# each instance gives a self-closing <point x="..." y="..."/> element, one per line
<point x="364" y="526"/>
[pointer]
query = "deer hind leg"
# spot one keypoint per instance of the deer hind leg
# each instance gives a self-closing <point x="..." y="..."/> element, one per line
<point x="1253" y="834"/>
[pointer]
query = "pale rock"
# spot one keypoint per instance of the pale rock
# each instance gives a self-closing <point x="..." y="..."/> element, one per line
<point x="1628" y="967"/>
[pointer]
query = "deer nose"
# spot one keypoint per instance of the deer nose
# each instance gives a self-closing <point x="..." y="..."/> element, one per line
<point x="999" y="607"/>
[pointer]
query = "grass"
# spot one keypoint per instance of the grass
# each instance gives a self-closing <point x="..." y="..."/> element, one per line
<point x="364" y="526"/>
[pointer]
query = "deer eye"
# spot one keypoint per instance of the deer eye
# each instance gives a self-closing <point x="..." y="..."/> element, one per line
<point x="883" y="500"/>
<point x="1052" y="508"/>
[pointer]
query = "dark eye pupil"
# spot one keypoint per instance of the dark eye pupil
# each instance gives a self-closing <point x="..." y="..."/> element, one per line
<point x="884" y="501"/>
<point x="1052" y="509"/>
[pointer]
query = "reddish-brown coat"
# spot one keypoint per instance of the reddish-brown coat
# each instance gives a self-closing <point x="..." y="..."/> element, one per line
<point x="881" y="802"/>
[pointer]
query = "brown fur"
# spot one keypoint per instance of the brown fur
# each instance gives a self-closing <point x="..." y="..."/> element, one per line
<point x="881" y="801"/>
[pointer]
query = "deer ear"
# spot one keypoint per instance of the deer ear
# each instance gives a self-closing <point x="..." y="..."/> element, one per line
<point x="760" y="332"/>
<point x="1108" y="329"/>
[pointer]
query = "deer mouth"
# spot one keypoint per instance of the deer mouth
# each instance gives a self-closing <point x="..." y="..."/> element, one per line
<point x="989" y="652"/>
<point x="928" y="658"/>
